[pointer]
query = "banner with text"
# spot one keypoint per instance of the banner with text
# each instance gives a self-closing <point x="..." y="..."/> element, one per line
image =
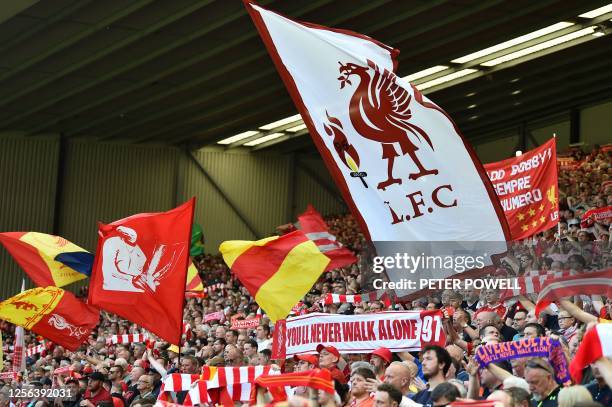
<point x="397" y="330"/>
<point x="245" y="323"/>
<point x="527" y="190"/>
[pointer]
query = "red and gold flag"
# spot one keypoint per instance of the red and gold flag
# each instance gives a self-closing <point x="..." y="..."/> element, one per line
<point x="47" y="259"/>
<point x="278" y="271"/>
<point x="53" y="313"/>
<point x="194" y="282"/>
<point x="527" y="190"/>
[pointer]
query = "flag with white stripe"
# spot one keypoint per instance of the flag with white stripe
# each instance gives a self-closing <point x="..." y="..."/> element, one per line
<point x="596" y="343"/>
<point x="312" y="224"/>
<point x="599" y="282"/>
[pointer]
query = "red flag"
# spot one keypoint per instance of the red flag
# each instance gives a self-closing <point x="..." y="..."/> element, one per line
<point x="141" y="267"/>
<point x="599" y="282"/>
<point x="53" y="313"/>
<point x="527" y="190"/>
<point x="312" y="224"/>
<point x="596" y="215"/>
<point x="597" y="343"/>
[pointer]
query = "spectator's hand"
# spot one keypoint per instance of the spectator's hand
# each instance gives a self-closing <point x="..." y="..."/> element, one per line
<point x="372" y="385"/>
<point x="472" y="367"/>
<point x="419" y="383"/>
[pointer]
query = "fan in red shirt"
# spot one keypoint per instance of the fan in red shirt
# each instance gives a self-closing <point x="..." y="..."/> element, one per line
<point x="493" y="304"/>
<point x="95" y="392"/>
<point x="328" y="359"/>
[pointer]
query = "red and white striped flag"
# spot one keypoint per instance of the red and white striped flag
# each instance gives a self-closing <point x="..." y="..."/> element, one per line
<point x="178" y="382"/>
<point x="599" y="282"/>
<point x="35" y="350"/>
<point x="532" y="282"/>
<point x="198" y="394"/>
<point x="312" y="224"/>
<point x="357" y="298"/>
<point x="8" y="375"/>
<point x="19" y="344"/>
<point x="596" y="343"/>
<point x="127" y="338"/>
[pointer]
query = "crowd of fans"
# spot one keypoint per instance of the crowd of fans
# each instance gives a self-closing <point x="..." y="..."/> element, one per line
<point x="122" y="375"/>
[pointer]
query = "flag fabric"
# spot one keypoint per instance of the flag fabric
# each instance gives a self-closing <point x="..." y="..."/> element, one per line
<point x="34" y="350"/>
<point x="47" y="259"/>
<point x="197" y="241"/>
<point x="599" y="282"/>
<point x="8" y="375"/>
<point x="141" y="268"/>
<point x="312" y="224"/>
<point x="193" y="282"/>
<point x="527" y="188"/>
<point x="52" y="313"/>
<point x="596" y="343"/>
<point x="355" y="298"/>
<point x="234" y="383"/>
<point x="399" y="160"/>
<point x="127" y="338"/>
<point x="532" y="282"/>
<point x="277" y="271"/>
<point x="318" y="379"/>
<point x="596" y="215"/>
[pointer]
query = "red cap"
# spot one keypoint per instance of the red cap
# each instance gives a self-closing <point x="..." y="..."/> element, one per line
<point x="312" y="359"/>
<point x="330" y="349"/>
<point x="384" y="354"/>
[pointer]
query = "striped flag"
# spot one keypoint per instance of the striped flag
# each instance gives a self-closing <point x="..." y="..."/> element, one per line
<point x="532" y="282"/>
<point x="277" y="271"/>
<point x="128" y="338"/>
<point x="19" y="342"/>
<point x="596" y="343"/>
<point x="234" y="383"/>
<point x="35" y="350"/>
<point x="356" y="298"/>
<point x="312" y="224"/>
<point x="18" y="350"/>
<point x="599" y="282"/>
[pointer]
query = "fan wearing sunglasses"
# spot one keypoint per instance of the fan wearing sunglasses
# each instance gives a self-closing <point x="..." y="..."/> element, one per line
<point x="540" y="377"/>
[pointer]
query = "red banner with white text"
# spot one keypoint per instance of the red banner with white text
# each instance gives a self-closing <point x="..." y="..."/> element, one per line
<point x="396" y="330"/>
<point x="527" y="190"/>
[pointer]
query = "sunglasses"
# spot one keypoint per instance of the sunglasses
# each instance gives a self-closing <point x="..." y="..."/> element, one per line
<point x="537" y="365"/>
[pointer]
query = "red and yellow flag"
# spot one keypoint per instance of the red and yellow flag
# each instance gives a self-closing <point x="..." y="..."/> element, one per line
<point x="53" y="313"/>
<point x="194" y="282"/>
<point x="47" y="259"/>
<point x="277" y="271"/>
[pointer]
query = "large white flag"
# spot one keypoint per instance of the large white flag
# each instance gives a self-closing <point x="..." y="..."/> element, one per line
<point x="398" y="158"/>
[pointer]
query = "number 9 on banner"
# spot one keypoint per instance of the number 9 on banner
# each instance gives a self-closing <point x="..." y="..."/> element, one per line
<point x="431" y="329"/>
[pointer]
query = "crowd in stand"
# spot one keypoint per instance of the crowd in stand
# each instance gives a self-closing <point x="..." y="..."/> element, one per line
<point x="122" y="375"/>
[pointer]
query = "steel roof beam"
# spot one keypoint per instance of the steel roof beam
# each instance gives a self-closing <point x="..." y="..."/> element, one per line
<point x="134" y="6"/>
<point x="96" y="56"/>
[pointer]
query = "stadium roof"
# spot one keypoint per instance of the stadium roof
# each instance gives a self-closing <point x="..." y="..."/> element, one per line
<point x="192" y="73"/>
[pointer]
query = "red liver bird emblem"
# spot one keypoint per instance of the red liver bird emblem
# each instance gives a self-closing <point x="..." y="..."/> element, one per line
<point x="380" y="111"/>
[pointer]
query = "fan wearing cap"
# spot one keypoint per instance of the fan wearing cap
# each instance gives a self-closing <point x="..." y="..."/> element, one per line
<point x="380" y="359"/>
<point x="72" y="384"/>
<point x="95" y="392"/>
<point x="328" y="359"/>
<point x="304" y="363"/>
